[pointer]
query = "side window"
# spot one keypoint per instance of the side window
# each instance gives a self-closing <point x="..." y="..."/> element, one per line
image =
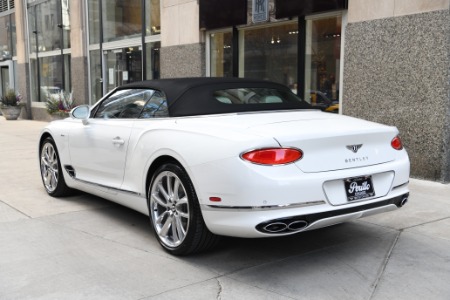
<point x="156" y="107"/>
<point x="124" y="104"/>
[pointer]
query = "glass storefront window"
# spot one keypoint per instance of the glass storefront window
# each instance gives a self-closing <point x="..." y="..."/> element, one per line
<point x="32" y="28"/>
<point x="14" y="34"/>
<point x="121" y="19"/>
<point x="94" y="21"/>
<point x="51" y="81"/>
<point x="65" y="23"/>
<point x="221" y="54"/>
<point x="96" y="75"/>
<point x="49" y="35"/>
<point x="34" y="79"/>
<point x="47" y="80"/>
<point x="123" y="66"/>
<point x="270" y="53"/>
<point x="16" y="76"/>
<point x="5" y="82"/>
<point x="323" y="52"/>
<point x="47" y="20"/>
<point x="49" y="27"/>
<point x="118" y="23"/>
<point x="7" y="35"/>
<point x="67" y="73"/>
<point x="152" y="58"/>
<point x="153" y="17"/>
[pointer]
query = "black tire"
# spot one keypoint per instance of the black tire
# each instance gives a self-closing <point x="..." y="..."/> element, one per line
<point x="175" y="213"/>
<point x="51" y="172"/>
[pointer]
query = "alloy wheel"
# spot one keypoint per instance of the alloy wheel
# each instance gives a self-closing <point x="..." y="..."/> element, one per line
<point x="49" y="167"/>
<point x="169" y="206"/>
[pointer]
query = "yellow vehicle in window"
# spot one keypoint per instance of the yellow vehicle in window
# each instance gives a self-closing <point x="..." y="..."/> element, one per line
<point x="320" y="100"/>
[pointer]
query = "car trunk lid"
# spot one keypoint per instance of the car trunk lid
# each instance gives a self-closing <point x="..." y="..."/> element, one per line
<point x="331" y="142"/>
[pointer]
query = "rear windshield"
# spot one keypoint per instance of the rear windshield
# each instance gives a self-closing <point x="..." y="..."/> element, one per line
<point x="235" y="97"/>
<point x="254" y="96"/>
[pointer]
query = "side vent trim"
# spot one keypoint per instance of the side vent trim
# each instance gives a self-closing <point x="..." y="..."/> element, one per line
<point x="70" y="170"/>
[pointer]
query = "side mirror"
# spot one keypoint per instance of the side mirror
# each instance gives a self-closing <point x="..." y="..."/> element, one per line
<point x="80" y="112"/>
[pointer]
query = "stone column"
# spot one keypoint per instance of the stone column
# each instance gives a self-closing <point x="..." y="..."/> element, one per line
<point x="22" y="71"/>
<point x="396" y="72"/>
<point x="78" y="43"/>
<point x="182" y="48"/>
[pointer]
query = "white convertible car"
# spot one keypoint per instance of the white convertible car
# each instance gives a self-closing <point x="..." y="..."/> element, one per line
<point x="205" y="157"/>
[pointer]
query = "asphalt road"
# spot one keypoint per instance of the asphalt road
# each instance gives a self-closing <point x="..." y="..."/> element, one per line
<point x="84" y="247"/>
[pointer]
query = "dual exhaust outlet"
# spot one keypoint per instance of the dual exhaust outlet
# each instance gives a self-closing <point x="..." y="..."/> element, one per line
<point x="281" y="226"/>
<point x="290" y="225"/>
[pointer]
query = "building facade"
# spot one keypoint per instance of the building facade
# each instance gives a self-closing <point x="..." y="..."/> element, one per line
<point x="381" y="60"/>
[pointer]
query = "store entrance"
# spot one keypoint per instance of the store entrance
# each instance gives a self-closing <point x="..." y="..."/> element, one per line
<point x="122" y="66"/>
<point x="5" y="79"/>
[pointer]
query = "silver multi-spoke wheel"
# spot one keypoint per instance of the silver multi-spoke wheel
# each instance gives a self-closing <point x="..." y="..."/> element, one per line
<point x="175" y="212"/>
<point x="49" y="167"/>
<point x="169" y="208"/>
<point x="51" y="171"/>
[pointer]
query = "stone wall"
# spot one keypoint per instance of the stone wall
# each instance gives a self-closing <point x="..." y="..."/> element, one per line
<point x="79" y="76"/>
<point x="396" y="72"/>
<point x="183" y="61"/>
<point x="446" y="160"/>
<point x="23" y="88"/>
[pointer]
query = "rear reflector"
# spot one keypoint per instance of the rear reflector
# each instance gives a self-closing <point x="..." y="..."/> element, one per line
<point x="396" y="143"/>
<point x="273" y="156"/>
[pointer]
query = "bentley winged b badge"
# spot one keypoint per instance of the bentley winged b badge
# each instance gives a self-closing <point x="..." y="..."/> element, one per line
<point x="354" y="148"/>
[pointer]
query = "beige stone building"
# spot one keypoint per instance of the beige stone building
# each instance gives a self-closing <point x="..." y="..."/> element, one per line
<point x="382" y="60"/>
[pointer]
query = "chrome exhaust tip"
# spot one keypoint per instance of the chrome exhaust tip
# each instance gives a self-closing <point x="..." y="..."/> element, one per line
<point x="276" y="227"/>
<point x="404" y="201"/>
<point x="287" y="225"/>
<point x="297" y="225"/>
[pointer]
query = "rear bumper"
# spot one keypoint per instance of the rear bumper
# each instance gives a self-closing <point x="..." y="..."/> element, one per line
<point x="326" y="218"/>
<point x="252" y="195"/>
<point x="254" y="223"/>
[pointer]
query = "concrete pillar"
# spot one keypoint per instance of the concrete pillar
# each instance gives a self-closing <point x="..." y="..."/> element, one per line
<point x="22" y="71"/>
<point x="79" y="62"/>
<point x="182" y="48"/>
<point x="396" y="72"/>
<point x="365" y="10"/>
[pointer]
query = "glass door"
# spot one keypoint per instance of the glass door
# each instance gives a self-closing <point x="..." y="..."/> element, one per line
<point x="122" y="66"/>
<point x="323" y="63"/>
<point x="221" y="54"/>
<point x="5" y="80"/>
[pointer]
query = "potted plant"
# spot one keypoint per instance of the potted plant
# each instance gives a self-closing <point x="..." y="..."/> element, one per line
<point x="59" y="105"/>
<point x="10" y="105"/>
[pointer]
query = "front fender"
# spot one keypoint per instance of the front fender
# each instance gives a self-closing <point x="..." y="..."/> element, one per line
<point x="60" y="134"/>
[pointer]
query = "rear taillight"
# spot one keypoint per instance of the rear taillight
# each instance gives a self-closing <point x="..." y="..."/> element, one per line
<point x="396" y="143"/>
<point x="273" y="156"/>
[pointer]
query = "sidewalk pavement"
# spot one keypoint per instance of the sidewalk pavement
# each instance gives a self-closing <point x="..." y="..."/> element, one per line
<point x="84" y="247"/>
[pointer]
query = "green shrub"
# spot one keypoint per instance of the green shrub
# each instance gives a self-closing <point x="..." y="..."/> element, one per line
<point x="62" y="104"/>
<point x="11" y="98"/>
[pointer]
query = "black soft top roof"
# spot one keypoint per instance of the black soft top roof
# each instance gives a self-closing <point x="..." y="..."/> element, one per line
<point x="194" y="96"/>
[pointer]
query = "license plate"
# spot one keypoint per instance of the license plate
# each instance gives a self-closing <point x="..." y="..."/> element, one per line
<point x="358" y="188"/>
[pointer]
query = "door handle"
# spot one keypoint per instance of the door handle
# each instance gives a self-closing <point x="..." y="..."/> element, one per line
<point x="118" y="141"/>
